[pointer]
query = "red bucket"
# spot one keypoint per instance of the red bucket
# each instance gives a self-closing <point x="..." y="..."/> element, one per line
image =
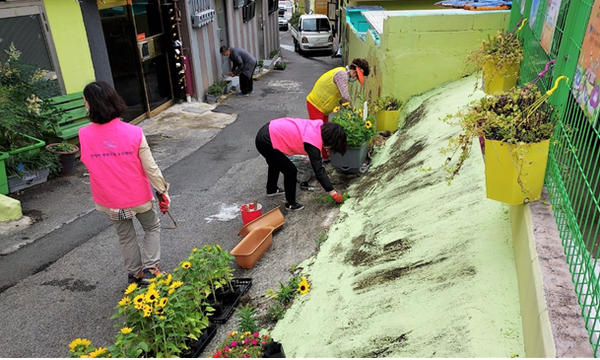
<point x="249" y="213"/>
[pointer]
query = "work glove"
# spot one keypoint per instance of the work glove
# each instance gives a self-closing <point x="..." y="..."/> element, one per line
<point x="337" y="197"/>
<point x="164" y="202"/>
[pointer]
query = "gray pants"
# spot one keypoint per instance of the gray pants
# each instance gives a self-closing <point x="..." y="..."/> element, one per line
<point x="146" y="254"/>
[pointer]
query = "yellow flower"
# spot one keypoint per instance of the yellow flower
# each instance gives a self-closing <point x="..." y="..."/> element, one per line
<point x="349" y="116"/>
<point x="194" y="249"/>
<point x="303" y="287"/>
<point x="159" y="311"/>
<point x="219" y="247"/>
<point x="147" y="310"/>
<point x="336" y="109"/>
<point x="169" y="279"/>
<point x="234" y="333"/>
<point x="79" y="342"/>
<point x="163" y="301"/>
<point x="247" y="333"/>
<point x="360" y="112"/>
<point x="346" y="104"/>
<point x="368" y="124"/>
<point x="139" y="302"/>
<point x="131" y="288"/>
<point x="126" y="330"/>
<point x="171" y="291"/>
<point x="161" y="317"/>
<point x="125" y="301"/>
<point x="99" y="351"/>
<point x="152" y="280"/>
<point x="176" y="284"/>
<point x="152" y="296"/>
<point x="186" y="265"/>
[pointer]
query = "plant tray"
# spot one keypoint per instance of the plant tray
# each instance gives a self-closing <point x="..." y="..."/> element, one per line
<point x="229" y="303"/>
<point x="31" y="178"/>
<point x="207" y="335"/>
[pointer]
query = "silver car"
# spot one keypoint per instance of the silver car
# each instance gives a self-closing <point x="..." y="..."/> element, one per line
<point x="283" y="23"/>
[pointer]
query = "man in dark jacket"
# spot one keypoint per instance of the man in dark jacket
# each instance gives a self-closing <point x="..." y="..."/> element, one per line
<point x="243" y="66"/>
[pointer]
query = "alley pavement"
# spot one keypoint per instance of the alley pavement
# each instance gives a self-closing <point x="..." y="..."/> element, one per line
<point x="62" y="276"/>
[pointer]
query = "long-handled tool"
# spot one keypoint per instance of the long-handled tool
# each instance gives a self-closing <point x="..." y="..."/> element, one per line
<point x="163" y="204"/>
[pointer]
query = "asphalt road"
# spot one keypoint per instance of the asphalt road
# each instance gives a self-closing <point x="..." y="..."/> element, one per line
<point x="67" y="276"/>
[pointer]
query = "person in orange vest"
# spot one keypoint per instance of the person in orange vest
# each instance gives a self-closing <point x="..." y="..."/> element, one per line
<point x="331" y="88"/>
<point x="122" y="172"/>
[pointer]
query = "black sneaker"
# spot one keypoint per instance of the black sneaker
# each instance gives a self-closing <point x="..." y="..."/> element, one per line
<point x="279" y="191"/>
<point x="305" y="186"/>
<point x="294" y="207"/>
<point x="150" y="273"/>
<point x="133" y="279"/>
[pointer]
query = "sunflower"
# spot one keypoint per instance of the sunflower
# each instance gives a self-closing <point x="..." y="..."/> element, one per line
<point x="126" y="330"/>
<point x="186" y="265"/>
<point x="139" y="302"/>
<point x="368" y="124"/>
<point x="159" y="311"/>
<point x="169" y="279"/>
<point x="336" y="109"/>
<point x="303" y="287"/>
<point x="176" y="284"/>
<point x="131" y="288"/>
<point x="125" y="301"/>
<point x="346" y="104"/>
<point x="98" y="352"/>
<point x="171" y="291"/>
<point x="219" y="247"/>
<point x="163" y="301"/>
<point x="147" y="310"/>
<point x="360" y="112"/>
<point x="79" y="342"/>
<point x="152" y="296"/>
<point x="194" y="249"/>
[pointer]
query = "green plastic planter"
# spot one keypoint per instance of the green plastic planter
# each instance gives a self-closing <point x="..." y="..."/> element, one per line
<point x="35" y="147"/>
<point x="3" y="177"/>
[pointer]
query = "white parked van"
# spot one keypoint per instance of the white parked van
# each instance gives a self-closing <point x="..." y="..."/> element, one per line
<point x="313" y="33"/>
<point x="286" y="8"/>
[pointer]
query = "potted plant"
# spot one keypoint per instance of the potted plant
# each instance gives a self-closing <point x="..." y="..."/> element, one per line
<point x="359" y="132"/>
<point x="279" y="65"/>
<point x="25" y="117"/>
<point x="214" y="92"/>
<point x="66" y="154"/>
<point x="387" y="112"/>
<point x="248" y="345"/>
<point x="517" y="126"/>
<point x="500" y="58"/>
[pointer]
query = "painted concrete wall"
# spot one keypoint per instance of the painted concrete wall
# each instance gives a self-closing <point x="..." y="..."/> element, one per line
<point x="71" y="43"/>
<point x="420" y="50"/>
<point x="399" y="5"/>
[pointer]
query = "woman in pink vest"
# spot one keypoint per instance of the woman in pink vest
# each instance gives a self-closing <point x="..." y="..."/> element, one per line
<point x="285" y="137"/>
<point x="121" y="169"/>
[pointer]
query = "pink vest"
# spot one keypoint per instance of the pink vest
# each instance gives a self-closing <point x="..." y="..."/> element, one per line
<point x="111" y="154"/>
<point x="289" y="135"/>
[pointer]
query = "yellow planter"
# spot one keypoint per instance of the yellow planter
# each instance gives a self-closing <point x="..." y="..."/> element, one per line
<point x="515" y="182"/>
<point x="502" y="79"/>
<point x="387" y="120"/>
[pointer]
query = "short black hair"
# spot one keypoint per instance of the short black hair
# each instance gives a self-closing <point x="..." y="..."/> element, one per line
<point x="104" y="102"/>
<point x="334" y="137"/>
<point x="362" y="64"/>
<point x="223" y="49"/>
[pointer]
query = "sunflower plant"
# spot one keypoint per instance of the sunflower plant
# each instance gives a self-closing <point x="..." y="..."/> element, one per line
<point x="162" y="317"/>
<point x="82" y="348"/>
<point x="358" y="130"/>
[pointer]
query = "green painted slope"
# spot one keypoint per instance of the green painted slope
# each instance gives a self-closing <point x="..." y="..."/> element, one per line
<point x="413" y="267"/>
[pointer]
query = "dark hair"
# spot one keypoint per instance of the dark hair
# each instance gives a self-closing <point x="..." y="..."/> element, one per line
<point x="104" y="102"/>
<point x="362" y="64"/>
<point x="334" y="137"/>
<point x="223" y="49"/>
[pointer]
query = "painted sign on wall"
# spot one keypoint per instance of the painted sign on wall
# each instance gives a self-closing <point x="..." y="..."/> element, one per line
<point x="585" y="83"/>
<point x="549" y="25"/>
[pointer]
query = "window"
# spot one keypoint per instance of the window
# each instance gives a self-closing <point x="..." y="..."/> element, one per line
<point x="27" y="33"/>
<point x="273" y="6"/>
<point x="316" y="25"/>
<point x="249" y="10"/>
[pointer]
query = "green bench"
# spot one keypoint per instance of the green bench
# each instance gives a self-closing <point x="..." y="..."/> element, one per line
<point x="73" y="115"/>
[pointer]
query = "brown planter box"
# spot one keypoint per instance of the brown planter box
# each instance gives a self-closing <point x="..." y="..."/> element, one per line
<point x="253" y="246"/>
<point x="273" y="218"/>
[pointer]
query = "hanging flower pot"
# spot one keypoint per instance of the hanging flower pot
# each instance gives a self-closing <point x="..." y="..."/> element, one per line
<point x="514" y="174"/>
<point x="499" y="79"/>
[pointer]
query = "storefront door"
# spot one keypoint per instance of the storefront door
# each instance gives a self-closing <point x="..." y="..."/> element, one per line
<point x="136" y="42"/>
